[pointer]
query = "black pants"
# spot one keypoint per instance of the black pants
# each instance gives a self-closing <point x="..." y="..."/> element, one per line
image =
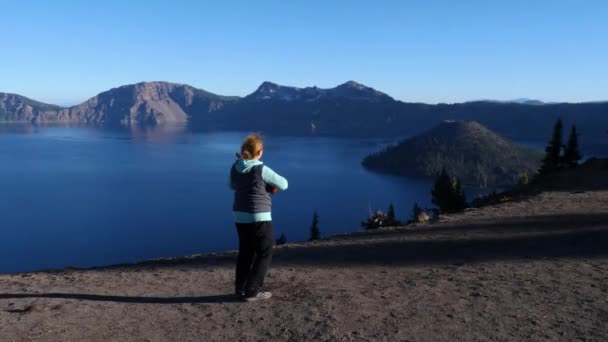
<point x="255" y="254"/>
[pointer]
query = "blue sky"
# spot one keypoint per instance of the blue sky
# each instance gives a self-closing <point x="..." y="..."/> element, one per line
<point x="427" y="51"/>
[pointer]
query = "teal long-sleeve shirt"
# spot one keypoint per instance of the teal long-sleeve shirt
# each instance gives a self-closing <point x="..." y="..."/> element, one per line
<point x="270" y="177"/>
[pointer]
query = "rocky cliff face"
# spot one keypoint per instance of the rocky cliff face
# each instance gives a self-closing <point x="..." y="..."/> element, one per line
<point x="147" y="103"/>
<point x="142" y="103"/>
<point x="17" y="108"/>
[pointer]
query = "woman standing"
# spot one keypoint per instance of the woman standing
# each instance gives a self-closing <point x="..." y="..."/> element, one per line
<point x="253" y="183"/>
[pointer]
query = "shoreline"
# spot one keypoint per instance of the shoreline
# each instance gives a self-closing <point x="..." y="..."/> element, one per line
<point x="230" y="254"/>
<point x="535" y="269"/>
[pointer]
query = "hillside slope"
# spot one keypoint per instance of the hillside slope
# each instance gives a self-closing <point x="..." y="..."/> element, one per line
<point x="149" y="103"/>
<point x="466" y="149"/>
<point x="16" y="108"/>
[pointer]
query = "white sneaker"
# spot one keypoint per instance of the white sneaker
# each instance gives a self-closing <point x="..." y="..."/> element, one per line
<point x="259" y="296"/>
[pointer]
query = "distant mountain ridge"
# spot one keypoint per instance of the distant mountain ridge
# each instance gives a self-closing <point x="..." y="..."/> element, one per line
<point x="350" y="89"/>
<point x="466" y="149"/>
<point x="347" y="110"/>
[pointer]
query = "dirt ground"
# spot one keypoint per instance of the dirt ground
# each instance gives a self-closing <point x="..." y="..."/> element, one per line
<point x="529" y="270"/>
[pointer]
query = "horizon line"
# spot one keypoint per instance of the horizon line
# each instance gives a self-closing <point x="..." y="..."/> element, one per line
<point x="67" y="103"/>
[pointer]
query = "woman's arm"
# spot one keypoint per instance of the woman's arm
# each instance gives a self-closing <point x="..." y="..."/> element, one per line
<point x="274" y="179"/>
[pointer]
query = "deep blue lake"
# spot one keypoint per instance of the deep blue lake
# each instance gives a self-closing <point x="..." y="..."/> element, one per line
<point x="86" y="196"/>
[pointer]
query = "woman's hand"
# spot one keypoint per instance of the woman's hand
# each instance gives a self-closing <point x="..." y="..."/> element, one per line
<point x="272" y="189"/>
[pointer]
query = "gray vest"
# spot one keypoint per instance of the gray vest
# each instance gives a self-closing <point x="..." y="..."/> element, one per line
<point x="250" y="195"/>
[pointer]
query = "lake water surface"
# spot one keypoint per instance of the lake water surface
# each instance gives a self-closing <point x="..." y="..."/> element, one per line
<point x="86" y="196"/>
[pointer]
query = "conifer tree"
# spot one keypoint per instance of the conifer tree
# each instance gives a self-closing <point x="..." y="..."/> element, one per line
<point x="458" y="200"/>
<point x="571" y="154"/>
<point x="416" y="211"/>
<point x="390" y="213"/>
<point x="282" y="240"/>
<point x="390" y="216"/>
<point x="553" y="159"/>
<point x="315" y="233"/>
<point x="447" y="193"/>
<point x="441" y="192"/>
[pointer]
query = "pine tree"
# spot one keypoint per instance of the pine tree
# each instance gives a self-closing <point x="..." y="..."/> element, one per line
<point x="447" y="193"/>
<point x="553" y="159"/>
<point x="571" y="154"/>
<point x="441" y="192"/>
<point x="416" y="211"/>
<point x="282" y="240"/>
<point x="390" y="213"/>
<point x="315" y="233"/>
<point x="458" y="199"/>
<point x="390" y="216"/>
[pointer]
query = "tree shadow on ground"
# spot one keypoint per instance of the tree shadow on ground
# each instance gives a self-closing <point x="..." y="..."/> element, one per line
<point x="588" y="244"/>
<point x="546" y="224"/>
<point x="523" y="238"/>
